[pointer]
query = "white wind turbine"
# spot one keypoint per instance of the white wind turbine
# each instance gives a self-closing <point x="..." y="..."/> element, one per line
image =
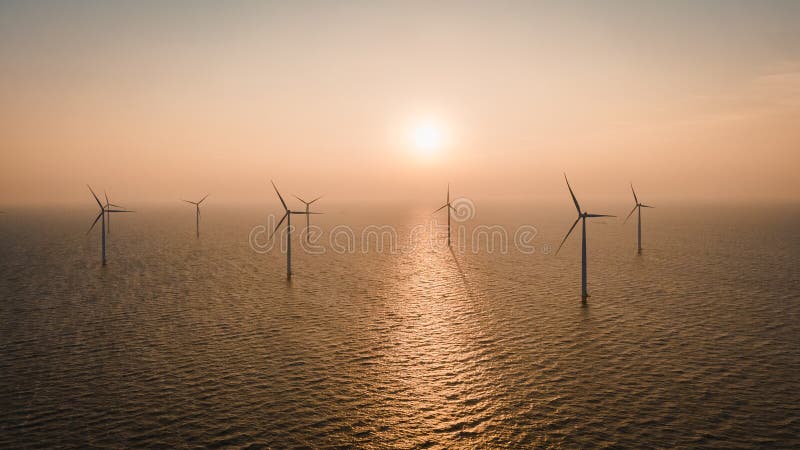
<point x="288" y="217"/>
<point x="450" y="208"/>
<point x="638" y="207"/>
<point x="102" y="215"/>
<point x="308" y="213"/>
<point x="197" y="208"/>
<point x="582" y="216"/>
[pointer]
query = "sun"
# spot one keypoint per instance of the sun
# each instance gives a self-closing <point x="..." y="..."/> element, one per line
<point x="427" y="138"/>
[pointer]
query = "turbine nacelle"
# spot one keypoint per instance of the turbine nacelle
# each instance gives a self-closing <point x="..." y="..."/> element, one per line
<point x="104" y="209"/>
<point x="449" y="207"/>
<point x="308" y="203"/>
<point x="581" y="215"/>
<point x="289" y="211"/>
<point x="197" y="203"/>
<point x="197" y="211"/>
<point x="636" y="204"/>
<point x="108" y="203"/>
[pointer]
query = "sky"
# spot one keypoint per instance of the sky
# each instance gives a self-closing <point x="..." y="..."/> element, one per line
<point x="374" y="100"/>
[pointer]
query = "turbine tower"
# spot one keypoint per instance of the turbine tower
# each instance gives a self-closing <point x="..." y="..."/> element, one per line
<point x="638" y="207"/>
<point x="449" y="207"/>
<point x="288" y="217"/>
<point x="102" y="215"/>
<point x="197" y="208"/>
<point x="308" y="214"/>
<point x="108" y="206"/>
<point x="582" y="216"/>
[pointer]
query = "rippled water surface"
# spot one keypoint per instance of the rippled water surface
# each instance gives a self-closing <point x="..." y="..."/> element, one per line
<point x="184" y="342"/>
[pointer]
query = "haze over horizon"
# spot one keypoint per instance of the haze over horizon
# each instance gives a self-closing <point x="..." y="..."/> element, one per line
<point x="368" y="101"/>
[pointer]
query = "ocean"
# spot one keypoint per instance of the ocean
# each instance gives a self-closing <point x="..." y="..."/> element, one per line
<point x="386" y="338"/>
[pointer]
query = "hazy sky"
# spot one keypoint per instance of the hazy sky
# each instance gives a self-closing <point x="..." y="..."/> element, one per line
<point x="152" y="101"/>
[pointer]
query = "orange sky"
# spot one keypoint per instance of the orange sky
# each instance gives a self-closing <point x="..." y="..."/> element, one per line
<point x="689" y="100"/>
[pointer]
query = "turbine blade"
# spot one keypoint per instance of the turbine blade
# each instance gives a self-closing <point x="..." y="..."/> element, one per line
<point x="119" y="211"/>
<point x="115" y="206"/>
<point x="106" y="195"/>
<point x="95" y="196"/>
<point x="189" y="201"/>
<point x="599" y="215"/>
<point x="279" y="196"/>
<point x="629" y="215"/>
<point x="279" y="224"/>
<point x="312" y="201"/>
<point x="300" y="199"/>
<point x="634" y="194"/>
<point x="443" y="207"/>
<point x="95" y="222"/>
<point x="448" y="192"/>
<point x="568" y="233"/>
<point x="647" y="206"/>
<point x="201" y="201"/>
<point x="577" y="206"/>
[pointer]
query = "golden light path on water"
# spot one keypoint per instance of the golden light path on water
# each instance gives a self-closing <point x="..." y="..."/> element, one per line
<point x="437" y="331"/>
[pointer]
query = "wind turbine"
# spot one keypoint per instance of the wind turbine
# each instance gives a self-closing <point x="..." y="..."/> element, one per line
<point x="102" y="215"/>
<point x="197" y="208"/>
<point x="582" y="216"/>
<point x="449" y="208"/>
<point x="288" y="217"/>
<point x="108" y="206"/>
<point x="308" y="214"/>
<point x="639" y="207"/>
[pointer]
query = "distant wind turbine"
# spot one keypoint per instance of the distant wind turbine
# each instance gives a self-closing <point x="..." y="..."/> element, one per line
<point x="450" y="208"/>
<point x="582" y="216"/>
<point x="108" y="206"/>
<point x="288" y="217"/>
<point x="102" y="215"/>
<point x="197" y="208"/>
<point x="638" y="207"/>
<point x="308" y="214"/>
